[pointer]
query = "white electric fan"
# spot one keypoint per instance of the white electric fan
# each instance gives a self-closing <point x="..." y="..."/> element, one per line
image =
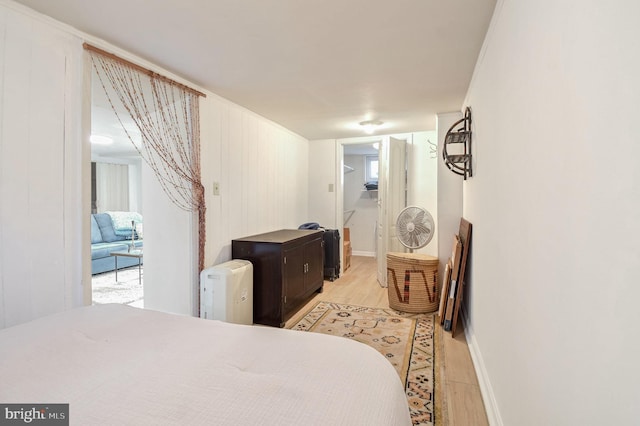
<point x="414" y="227"/>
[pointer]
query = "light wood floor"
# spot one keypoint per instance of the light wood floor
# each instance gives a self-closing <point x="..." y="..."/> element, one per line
<point x="460" y="390"/>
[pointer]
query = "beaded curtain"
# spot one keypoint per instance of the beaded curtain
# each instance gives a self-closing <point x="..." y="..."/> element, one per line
<point x="167" y="116"/>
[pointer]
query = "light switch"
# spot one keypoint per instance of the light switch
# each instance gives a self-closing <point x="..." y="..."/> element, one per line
<point x="216" y="188"/>
<point x="330" y="187"/>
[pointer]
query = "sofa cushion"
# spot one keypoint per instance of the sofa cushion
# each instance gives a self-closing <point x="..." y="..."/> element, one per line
<point x="124" y="222"/>
<point x="101" y="250"/>
<point x="96" y="236"/>
<point x="106" y="228"/>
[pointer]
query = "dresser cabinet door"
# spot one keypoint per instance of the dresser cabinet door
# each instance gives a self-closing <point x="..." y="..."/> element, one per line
<point x="314" y="260"/>
<point x="293" y="274"/>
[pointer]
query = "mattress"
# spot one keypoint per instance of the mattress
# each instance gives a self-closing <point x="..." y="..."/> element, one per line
<point x="115" y="364"/>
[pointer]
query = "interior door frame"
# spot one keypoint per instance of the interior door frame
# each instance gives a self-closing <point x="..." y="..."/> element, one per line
<point x="87" y="288"/>
<point x="193" y="247"/>
<point x="339" y="161"/>
<point x="339" y="190"/>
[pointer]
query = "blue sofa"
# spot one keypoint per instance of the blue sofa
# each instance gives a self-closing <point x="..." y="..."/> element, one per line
<point x="111" y="231"/>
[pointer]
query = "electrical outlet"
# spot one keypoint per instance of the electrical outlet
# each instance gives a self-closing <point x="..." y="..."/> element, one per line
<point x="216" y="188"/>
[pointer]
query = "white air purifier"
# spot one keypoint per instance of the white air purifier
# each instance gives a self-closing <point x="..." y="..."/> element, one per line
<point x="226" y="292"/>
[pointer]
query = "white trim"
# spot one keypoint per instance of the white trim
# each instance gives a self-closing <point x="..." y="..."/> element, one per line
<point x="363" y="253"/>
<point x="85" y="149"/>
<point x="488" y="397"/>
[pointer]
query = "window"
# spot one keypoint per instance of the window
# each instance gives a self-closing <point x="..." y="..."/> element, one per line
<point x="372" y="168"/>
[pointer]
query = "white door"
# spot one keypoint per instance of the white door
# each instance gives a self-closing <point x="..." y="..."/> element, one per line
<point x="392" y="196"/>
<point x="381" y="231"/>
<point x="396" y="190"/>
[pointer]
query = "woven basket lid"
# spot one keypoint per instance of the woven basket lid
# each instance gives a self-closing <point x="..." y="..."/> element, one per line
<point x="419" y="258"/>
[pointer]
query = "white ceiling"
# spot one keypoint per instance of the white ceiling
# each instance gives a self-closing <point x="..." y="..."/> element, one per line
<point x="315" y="67"/>
<point x="104" y="122"/>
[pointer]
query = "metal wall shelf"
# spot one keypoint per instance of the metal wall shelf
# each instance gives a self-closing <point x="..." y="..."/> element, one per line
<point x="459" y="133"/>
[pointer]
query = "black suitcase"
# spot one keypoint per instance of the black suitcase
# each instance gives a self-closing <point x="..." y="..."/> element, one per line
<point x="331" y="254"/>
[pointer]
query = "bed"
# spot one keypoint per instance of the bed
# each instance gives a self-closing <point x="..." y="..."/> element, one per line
<point x="116" y="364"/>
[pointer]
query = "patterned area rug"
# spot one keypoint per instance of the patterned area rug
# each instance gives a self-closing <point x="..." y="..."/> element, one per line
<point x="406" y="340"/>
<point x="127" y="290"/>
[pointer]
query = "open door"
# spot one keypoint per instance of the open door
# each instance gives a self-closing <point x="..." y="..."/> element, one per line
<point x="392" y="198"/>
<point x="381" y="229"/>
<point x="396" y="189"/>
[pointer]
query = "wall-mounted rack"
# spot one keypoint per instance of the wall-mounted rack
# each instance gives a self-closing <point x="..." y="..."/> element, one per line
<point x="459" y="133"/>
<point x="348" y="214"/>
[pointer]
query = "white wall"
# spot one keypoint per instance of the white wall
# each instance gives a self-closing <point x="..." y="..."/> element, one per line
<point x="263" y="174"/>
<point x="449" y="194"/>
<point x="135" y="187"/>
<point x="41" y="219"/>
<point x="169" y="251"/>
<point x="44" y="181"/>
<point x="423" y="177"/>
<point x="554" y="202"/>
<point x="323" y="183"/>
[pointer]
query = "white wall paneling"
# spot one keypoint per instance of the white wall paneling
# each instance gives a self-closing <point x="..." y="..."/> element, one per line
<point x="261" y="167"/>
<point x="555" y="267"/>
<point x="262" y="171"/>
<point x="40" y="214"/>
<point x="322" y="174"/>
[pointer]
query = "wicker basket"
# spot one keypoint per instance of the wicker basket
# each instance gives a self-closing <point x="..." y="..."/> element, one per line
<point x="412" y="281"/>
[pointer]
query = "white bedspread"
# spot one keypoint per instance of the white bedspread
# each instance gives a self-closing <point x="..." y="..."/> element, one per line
<point x="116" y="364"/>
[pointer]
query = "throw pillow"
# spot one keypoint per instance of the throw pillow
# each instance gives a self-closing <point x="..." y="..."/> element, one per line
<point x="122" y="222"/>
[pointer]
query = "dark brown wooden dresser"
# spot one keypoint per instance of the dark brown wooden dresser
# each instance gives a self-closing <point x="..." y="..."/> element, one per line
<point x="287" y="270"/>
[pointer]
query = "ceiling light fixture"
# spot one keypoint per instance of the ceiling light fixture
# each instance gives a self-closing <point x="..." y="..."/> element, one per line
<point x="100" y="140"/>
<point x="370" y="126"/>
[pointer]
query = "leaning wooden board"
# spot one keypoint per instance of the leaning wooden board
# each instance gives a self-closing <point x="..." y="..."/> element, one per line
<point x="444" y="293"/>
<point x="465" y="238"/>
<point x="455" y="256"/>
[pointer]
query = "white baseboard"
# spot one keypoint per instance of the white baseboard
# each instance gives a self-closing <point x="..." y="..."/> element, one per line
<point x="488" y="397"/>
<point x="363" y="253"/>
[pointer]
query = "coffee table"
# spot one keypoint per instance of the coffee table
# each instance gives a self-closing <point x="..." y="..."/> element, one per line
<point x="133" y="253"/>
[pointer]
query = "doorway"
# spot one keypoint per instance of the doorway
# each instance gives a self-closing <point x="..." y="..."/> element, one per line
<point x="360" y="196"/>
<point x="366" y="208"/>
<point x="171" y="275"/>
<point x="116" y="206"/>
<point x="407" y="171"/>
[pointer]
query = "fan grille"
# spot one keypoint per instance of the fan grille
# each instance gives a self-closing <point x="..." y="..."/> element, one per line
<point x="415" y="227"/>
